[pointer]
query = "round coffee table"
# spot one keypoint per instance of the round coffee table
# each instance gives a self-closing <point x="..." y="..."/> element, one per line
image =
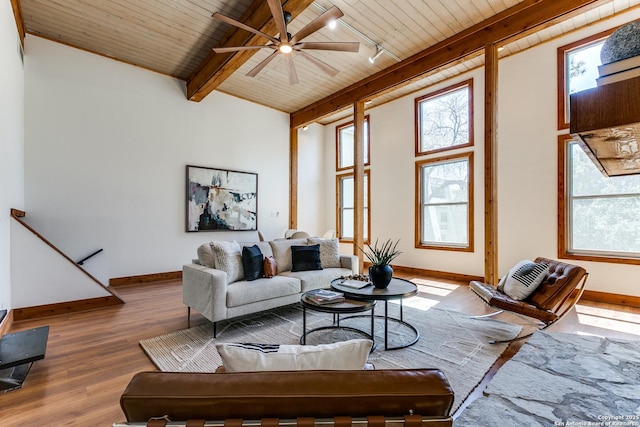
<point x="397" y="290"/>
<point x="337" y="308"/>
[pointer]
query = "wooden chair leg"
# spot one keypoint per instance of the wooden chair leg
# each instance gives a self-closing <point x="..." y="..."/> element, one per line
<point x="188" y="317"/>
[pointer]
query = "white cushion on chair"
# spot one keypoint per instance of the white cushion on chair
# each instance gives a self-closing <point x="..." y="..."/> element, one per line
<point x="523" y="279"/>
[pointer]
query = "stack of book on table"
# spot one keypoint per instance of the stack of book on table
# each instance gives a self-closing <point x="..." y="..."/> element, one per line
<point x="323" y="296"/>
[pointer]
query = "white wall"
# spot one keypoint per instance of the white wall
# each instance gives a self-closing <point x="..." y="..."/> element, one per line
<point x="106" y="146"/>
<point x="528" y="164"/>
<point x="311" y="181"/>
<point x="38" y="286"/>
<point x="527" y="170"/>
<point x="392" y="175"/>
<point x="11" y="141"/>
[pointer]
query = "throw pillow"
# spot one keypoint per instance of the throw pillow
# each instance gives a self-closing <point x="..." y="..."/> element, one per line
<point x="524" y="278"/>
<point x="252" y="263"/>
<point x="304" y="258"/>
<point x="206" y="256"/>
<point x="228" y="258"/>
<point x="343" y="355"/>
<point x="270" y="267"/>
<point x="282" y="251"/>
<point x="329" y="251"/>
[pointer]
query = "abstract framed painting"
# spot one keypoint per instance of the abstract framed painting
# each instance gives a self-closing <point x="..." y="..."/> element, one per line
<point x="221" y="200"/>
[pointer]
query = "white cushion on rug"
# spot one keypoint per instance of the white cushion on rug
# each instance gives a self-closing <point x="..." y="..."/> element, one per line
<point x="343" y="355"/>
<point x="523" y="279"/>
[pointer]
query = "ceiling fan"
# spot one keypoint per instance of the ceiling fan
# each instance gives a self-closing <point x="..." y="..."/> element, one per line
<point x="286" y="44"/>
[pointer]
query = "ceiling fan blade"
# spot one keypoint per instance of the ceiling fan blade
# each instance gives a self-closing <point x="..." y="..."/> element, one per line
<point x="320" y="64"/>
<point x="254" y="72"/>
<point x="339" y="46"/>
<point x="240" y="48"/>
<point x="278" y="17"/>
<point x="231" y="21"/>
<point x="291" y="69"/>
<point x="321" y="21"/>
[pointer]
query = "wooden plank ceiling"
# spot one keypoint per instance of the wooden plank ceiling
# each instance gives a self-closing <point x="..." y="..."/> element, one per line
<point x="175" y="37"/>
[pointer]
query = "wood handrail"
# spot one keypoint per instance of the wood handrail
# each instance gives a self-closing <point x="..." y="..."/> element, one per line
<point x="18" y="215"/>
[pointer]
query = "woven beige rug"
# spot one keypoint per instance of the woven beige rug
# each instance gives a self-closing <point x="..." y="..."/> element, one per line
<point x="449" y="341"/>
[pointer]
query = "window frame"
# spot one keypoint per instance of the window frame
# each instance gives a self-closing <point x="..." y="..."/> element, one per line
<point x="338" y="142"/>
<point x="339" y="206"/>
<point x="564" y="212"/>
<point x="563" y="81"/>
<point x="470" y="203"/>
<point x="418" y="122"/>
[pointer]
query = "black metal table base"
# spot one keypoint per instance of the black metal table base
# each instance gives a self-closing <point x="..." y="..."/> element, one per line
<point x="336" y="325"/>
<point x="386" y="335"/>
<point x="386" y="327"/>
<point x="13" y="378"/>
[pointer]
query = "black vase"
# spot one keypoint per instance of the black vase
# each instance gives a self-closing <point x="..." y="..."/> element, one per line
<point x="380" y="275"/>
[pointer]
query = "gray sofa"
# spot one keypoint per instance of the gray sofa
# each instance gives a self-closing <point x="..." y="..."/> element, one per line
<point x="214" y="284"/>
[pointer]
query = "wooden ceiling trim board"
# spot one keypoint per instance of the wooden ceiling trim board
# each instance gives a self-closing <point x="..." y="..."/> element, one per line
<point x="215" y="69"/>
<point x="17" y="14"/>
<point x="520" y="19"/>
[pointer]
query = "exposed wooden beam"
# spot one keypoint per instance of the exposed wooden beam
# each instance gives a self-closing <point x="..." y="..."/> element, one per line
<point x="17" y="14"/>
<point x="518" y="20"/>
<point x="358" y="181"/>
<point x="293" y="178"/>
<point x="490" y="164"/>
<point x="216" y="68"/>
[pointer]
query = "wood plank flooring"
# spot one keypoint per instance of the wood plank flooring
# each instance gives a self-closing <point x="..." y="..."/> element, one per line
<point x="91" y="356"/>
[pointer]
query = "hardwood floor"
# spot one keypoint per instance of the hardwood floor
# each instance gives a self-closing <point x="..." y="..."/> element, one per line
<point x="91" y="356"/>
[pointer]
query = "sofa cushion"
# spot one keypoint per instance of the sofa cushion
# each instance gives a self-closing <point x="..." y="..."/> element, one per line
<point x="228" y="258"/>
<point x="206" y="256"/>
<point x="243" y="292"/>
<point x="329" y="251"/>
<point x="282" y="252"/>
<point x="316" y="279"/>
<point x="343" y="355"/>
<point x="252" y="262"/>
<point x="304" y="258"/>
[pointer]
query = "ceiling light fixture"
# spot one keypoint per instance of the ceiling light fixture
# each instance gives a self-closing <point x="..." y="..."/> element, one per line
<point x="285" y="48"/>
<point x="332" y="24"/>
<point x="379" y="51"/>
<point x="357" y="33"/>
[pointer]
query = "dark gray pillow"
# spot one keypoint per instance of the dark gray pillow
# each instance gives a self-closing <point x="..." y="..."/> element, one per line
<point x="305" y="258"/>
<point x="252" y="262"/>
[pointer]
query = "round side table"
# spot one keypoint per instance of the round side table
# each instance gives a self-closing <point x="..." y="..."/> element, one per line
<point x="336" y="309"/>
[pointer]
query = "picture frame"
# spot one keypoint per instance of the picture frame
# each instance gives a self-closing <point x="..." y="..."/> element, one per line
<point x="221" y="199"/>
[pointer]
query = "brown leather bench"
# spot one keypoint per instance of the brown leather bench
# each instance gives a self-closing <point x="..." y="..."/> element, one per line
<point x="413" y="397"/>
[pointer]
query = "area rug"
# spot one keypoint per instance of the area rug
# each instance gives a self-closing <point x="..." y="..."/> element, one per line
<point x="559" y="379"/>
<point x="449" y="341"/>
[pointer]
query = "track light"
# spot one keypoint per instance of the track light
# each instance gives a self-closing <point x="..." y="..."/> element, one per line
<point x="379" y="51"/>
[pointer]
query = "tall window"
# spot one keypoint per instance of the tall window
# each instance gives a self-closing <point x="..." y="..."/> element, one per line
<point x="345" y="214"/>
<point x="445" y="208"/>
<point x="444" y="119"/>
<point x="577" y="70"/>
<point x="598" y="215"/>
<point x="344" y="144"/>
